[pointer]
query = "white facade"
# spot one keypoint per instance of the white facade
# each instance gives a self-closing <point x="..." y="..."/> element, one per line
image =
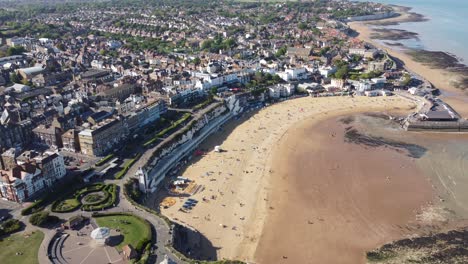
<point x="326" y="71"/>
<point x="364" y="86"/>
<point x="53" y="167"/>
<point x="293" y="74"/>
<point x="281" y="90"/>
<point x="208" y="81"/>
<point x="338" y="83"/>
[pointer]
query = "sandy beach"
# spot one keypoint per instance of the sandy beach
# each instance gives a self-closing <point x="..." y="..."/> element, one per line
<point x="442" y="79"/>
<point x="260" y="188"/>
<point x="338" y="200"/>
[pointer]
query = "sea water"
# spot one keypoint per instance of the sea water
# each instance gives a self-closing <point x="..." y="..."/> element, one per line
<point x="446" y="30"/>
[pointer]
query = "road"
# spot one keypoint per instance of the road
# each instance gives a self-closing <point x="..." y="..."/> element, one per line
<point x="162" y="235"/>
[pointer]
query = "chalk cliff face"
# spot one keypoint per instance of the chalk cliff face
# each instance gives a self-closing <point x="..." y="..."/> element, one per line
<point x="192" y="133"/>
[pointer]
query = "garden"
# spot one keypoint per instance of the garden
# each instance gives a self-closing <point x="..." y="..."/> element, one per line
<point x="93" y="197"/>
<point x="135" y="230"/>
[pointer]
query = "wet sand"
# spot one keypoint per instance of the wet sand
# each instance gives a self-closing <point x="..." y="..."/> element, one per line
<point x="333" y="200"/>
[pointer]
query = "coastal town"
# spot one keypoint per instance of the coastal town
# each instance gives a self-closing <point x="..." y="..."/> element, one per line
<point x="112" y="115"/>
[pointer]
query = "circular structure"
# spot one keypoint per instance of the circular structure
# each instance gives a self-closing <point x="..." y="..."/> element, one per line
<point x="94" y="198"/>
<point x="78" y="247"/>
<point x="100" y="235"/>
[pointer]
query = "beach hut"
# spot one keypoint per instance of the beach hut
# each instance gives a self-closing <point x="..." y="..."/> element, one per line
<point x="217" y="149"/>
<point x="100" y="235"/>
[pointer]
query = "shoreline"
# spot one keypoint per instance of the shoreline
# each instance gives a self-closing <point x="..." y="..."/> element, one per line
<point x="240" y="177"/>
<point x="451" y="82"/>
<point x="351" y="204"/>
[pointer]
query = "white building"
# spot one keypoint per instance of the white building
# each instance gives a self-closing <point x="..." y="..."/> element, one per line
<point x="21" y="182"/>
<point x="52" y="166"/>
<point x="326" y="71"/>
<point x="114" y="44"/>
<point x="364" y="86"/>
<point x="207" y="81"/>
<point x="143" y="182"/>
<point x="100" y="235"/>
<point x="281" y="90"/>
<point x="337" y="83"/>
<point x="293" y="74"/>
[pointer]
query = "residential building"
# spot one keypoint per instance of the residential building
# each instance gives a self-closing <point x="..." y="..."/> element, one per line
<point x="101" y="138"/>
<point x="21" y="182"/>
<point x="52" y="166"/>
<point x="48" y="136"/>
<point x="70" y="141"/>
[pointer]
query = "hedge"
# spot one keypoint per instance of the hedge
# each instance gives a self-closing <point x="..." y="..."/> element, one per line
<point x="109" y="200"/>
<point x="104" y="160"/>
<point x="144" y="257"/>
<point x="49" y="197"/>
<point x="34" y="207"/>
<point x="126" y="167"/>
<point x="42" y="219"/>
<point x="10" y="226"/>
<point x="106" y="196"/>
<point x="184" y="118"/>
<point x="108" y="203"/>
<point x="76" y="194"/>
<point x="203" y="104"/>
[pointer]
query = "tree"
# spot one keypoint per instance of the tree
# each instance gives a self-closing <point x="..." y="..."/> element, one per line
<point x="277" y="78"/>
<point x="61" y="46"/>
<point x="214" y="90"/>
<point x="281" y="51"/>
<point x="39" y="218"/>
<point x="197" y="61"/>
<point x="342" y="72"/>
<point x="259" y="76"/>
<point x="229" y="43"/>
<point x="9" y="226"/>
<point x="406" y="79"/>
<point x="302" y="26"/>
<point x="324" y="51"/>
<point x="15" y="51"/>
<point x="15" y="78"/>
<point x="206" y="44"/>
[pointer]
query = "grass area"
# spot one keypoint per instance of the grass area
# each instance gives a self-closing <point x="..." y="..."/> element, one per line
<point x="126" y="167"/>
<point x="73" y="200"/>
<point x="28" y="245"/>
<point x="93" y="197"/>
<point x="203" y="104"/>
<point x="104" y="160"/>
<point x="174" y="125"/>
<point x="131" y="227"/>
<point x="69" y="204"/>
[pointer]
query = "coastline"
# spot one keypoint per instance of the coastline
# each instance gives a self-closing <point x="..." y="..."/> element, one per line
<point x="242" y="177"/>
<point x="339" y="198"/>
<point x="450" y="82"/>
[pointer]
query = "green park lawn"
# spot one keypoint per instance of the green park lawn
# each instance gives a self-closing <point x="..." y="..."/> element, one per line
<point x="28" y="246"/>
<point x="69" y="203"/>
<point x="132" y="228"/>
